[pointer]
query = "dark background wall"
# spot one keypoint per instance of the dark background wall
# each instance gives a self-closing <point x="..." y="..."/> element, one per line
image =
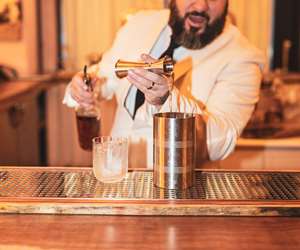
<point x="287" y="26"/>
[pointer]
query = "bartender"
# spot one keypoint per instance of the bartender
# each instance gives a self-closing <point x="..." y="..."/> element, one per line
<point x="217" y="74"/>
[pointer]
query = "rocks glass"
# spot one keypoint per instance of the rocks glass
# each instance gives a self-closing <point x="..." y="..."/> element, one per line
<point x="110" y="158"/>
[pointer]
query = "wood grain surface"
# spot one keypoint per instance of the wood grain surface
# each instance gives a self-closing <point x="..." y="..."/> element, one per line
<point x="131" y="232"/>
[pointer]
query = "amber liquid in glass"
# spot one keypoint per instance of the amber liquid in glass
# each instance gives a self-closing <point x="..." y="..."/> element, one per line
<point x="88" y="127"/>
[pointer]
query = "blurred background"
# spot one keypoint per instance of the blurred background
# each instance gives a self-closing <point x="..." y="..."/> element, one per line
<point x="44" y="42"/>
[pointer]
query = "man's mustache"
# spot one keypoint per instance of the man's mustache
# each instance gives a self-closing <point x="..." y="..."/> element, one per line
<point x="197" y="13"/>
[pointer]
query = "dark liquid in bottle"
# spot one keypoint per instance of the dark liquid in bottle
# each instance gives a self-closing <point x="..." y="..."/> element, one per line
<point x="88" y="127"/>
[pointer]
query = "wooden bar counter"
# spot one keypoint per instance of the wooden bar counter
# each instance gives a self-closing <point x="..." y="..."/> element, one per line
<point x="135" y="232"/>
<point x="67" y="208"/>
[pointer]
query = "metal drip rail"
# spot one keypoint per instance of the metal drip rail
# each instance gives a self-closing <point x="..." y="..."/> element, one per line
<point x="264" y="186"/>
<point x="215" y="193"/>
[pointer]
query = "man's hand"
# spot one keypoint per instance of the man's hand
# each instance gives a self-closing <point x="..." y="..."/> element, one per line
<point x="155" y="86"/>
<point x="79" y="90"/>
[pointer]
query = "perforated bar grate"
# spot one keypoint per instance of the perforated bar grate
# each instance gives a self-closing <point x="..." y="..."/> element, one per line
<point x="139" y="185"/>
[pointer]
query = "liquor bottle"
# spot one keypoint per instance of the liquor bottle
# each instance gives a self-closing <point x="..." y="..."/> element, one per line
<point x="88" y="120"/>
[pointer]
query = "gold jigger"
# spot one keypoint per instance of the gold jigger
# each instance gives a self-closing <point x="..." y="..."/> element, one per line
<point x="164" y="66"/>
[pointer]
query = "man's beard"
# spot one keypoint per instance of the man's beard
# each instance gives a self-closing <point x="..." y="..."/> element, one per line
<point x="190" y="39"/>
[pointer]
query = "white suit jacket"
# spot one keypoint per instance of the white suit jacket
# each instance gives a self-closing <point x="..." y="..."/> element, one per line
<point x="220" y="81"/>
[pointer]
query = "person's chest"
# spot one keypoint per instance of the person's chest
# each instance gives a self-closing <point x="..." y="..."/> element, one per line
<point x="196" y="73"/>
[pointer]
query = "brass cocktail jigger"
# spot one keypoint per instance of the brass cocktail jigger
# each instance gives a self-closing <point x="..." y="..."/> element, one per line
<point x="164" y="66"/>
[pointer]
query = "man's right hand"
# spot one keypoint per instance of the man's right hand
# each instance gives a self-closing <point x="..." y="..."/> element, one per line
<point x="79" y="90"/>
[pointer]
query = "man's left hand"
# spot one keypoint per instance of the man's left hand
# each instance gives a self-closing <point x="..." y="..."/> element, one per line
<point x="154" y="86"/>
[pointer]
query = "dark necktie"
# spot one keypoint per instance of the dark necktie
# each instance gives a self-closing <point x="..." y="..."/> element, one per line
<point x="140" y="97"/>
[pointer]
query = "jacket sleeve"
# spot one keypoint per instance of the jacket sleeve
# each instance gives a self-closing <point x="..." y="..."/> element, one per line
<point x="228" y="107"/>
